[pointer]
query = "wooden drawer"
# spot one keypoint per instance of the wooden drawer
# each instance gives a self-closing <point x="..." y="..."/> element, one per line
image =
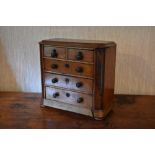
<point x="69" y="97"/>
<point x="55" y="52"/>
<point x="80" y="55"/>
<point x="66" y="67"/>
<point x="80" y="84"/>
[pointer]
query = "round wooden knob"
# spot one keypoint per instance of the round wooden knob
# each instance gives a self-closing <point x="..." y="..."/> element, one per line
<point x="79" y="69"/>
<point x="67" y="65"/>
<point x="79" y="84"/>
<point x="54" y="53"/>
<point x="55" y="80"/>
<point x="55" y="94"/>
<point x="54" y="66"/>
<point x="67" y="80"/>
<point x="67" y="94"/>
<point x="80" y="100"/>
<point x="79" y="56"/>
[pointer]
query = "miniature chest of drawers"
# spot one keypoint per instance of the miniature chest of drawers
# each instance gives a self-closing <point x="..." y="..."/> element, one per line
<point x="78" y="75"/>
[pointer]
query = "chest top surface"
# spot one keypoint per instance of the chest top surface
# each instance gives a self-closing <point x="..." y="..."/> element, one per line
<point x="78" y="43"/>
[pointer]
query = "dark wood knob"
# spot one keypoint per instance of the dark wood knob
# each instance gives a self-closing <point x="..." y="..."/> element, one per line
<point x="79" y="69"/>
<point x="79" y="84"/>
<point x="55" y="94"/>
<point x="67" y="80"/>
<point x="67" y="94"/>
<point x="54" y="53"/>
<point x="79" y="56"/>
<point x="67" y="65"/>
<point x="54" y="66"/>
<point x="80" y="100"/>
<point x="55" y="80"/>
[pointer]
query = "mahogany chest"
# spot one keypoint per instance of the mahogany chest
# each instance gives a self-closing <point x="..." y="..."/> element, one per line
<point x="78" y="75"/>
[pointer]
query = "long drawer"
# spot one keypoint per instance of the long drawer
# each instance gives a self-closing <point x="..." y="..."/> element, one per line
<point x="67" y="67"/>
<point x="69" y="97"/>
<point x="73" y="83"/>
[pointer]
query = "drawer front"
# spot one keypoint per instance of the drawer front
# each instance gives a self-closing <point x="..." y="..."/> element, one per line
<point x="68" y="82"/>
<point x="65" y="67"/>
<point x="54" y="52"/>
<point x="69" y="97"/>
<point x="80" y="55"/>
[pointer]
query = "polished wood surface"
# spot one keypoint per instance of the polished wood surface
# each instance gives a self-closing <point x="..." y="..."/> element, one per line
<point x="22" y="110"/>
<point x="87" y="55"/>
<point x="104" y="81"/>
<point x="69" y="97"/>
<point x="60" y="52"/>
<point x="71" y="68"/>
<point x="96" y="64"/>
<point x="69" y="82"/>
<point x="78" y="43"/>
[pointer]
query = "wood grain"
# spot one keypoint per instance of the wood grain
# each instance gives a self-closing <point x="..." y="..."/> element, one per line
<point x="71" y="99"/>
<point x="22" y="110"/>
<point x="87" y="69"/>
<point x="87" y="55"/>
<point x="135" y="69"/>
<point x="69" y="82"/>
<point x="61" y="52"/>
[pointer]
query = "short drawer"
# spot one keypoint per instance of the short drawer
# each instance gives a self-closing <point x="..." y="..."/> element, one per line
<point x="66" y="67"/>
<point x="80" y="55"/>
<point x="55" y="52"/>
<point x="69" y="97"/>
<point x="73" y="83"/>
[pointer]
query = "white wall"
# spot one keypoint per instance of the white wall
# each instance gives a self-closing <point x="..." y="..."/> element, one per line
<point x="135" y="66"/>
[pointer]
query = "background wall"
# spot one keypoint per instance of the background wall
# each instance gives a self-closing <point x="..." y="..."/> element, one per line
<point x="135" y="61"/>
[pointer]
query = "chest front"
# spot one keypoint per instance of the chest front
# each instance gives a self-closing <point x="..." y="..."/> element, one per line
<point x="78" y="76"/>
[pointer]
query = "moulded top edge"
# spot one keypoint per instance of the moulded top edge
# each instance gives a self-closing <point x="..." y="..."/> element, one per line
<point x="78" y="42"/>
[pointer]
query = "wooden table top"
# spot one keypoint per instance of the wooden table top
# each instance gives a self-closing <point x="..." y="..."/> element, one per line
<point x="22" y="110"/>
